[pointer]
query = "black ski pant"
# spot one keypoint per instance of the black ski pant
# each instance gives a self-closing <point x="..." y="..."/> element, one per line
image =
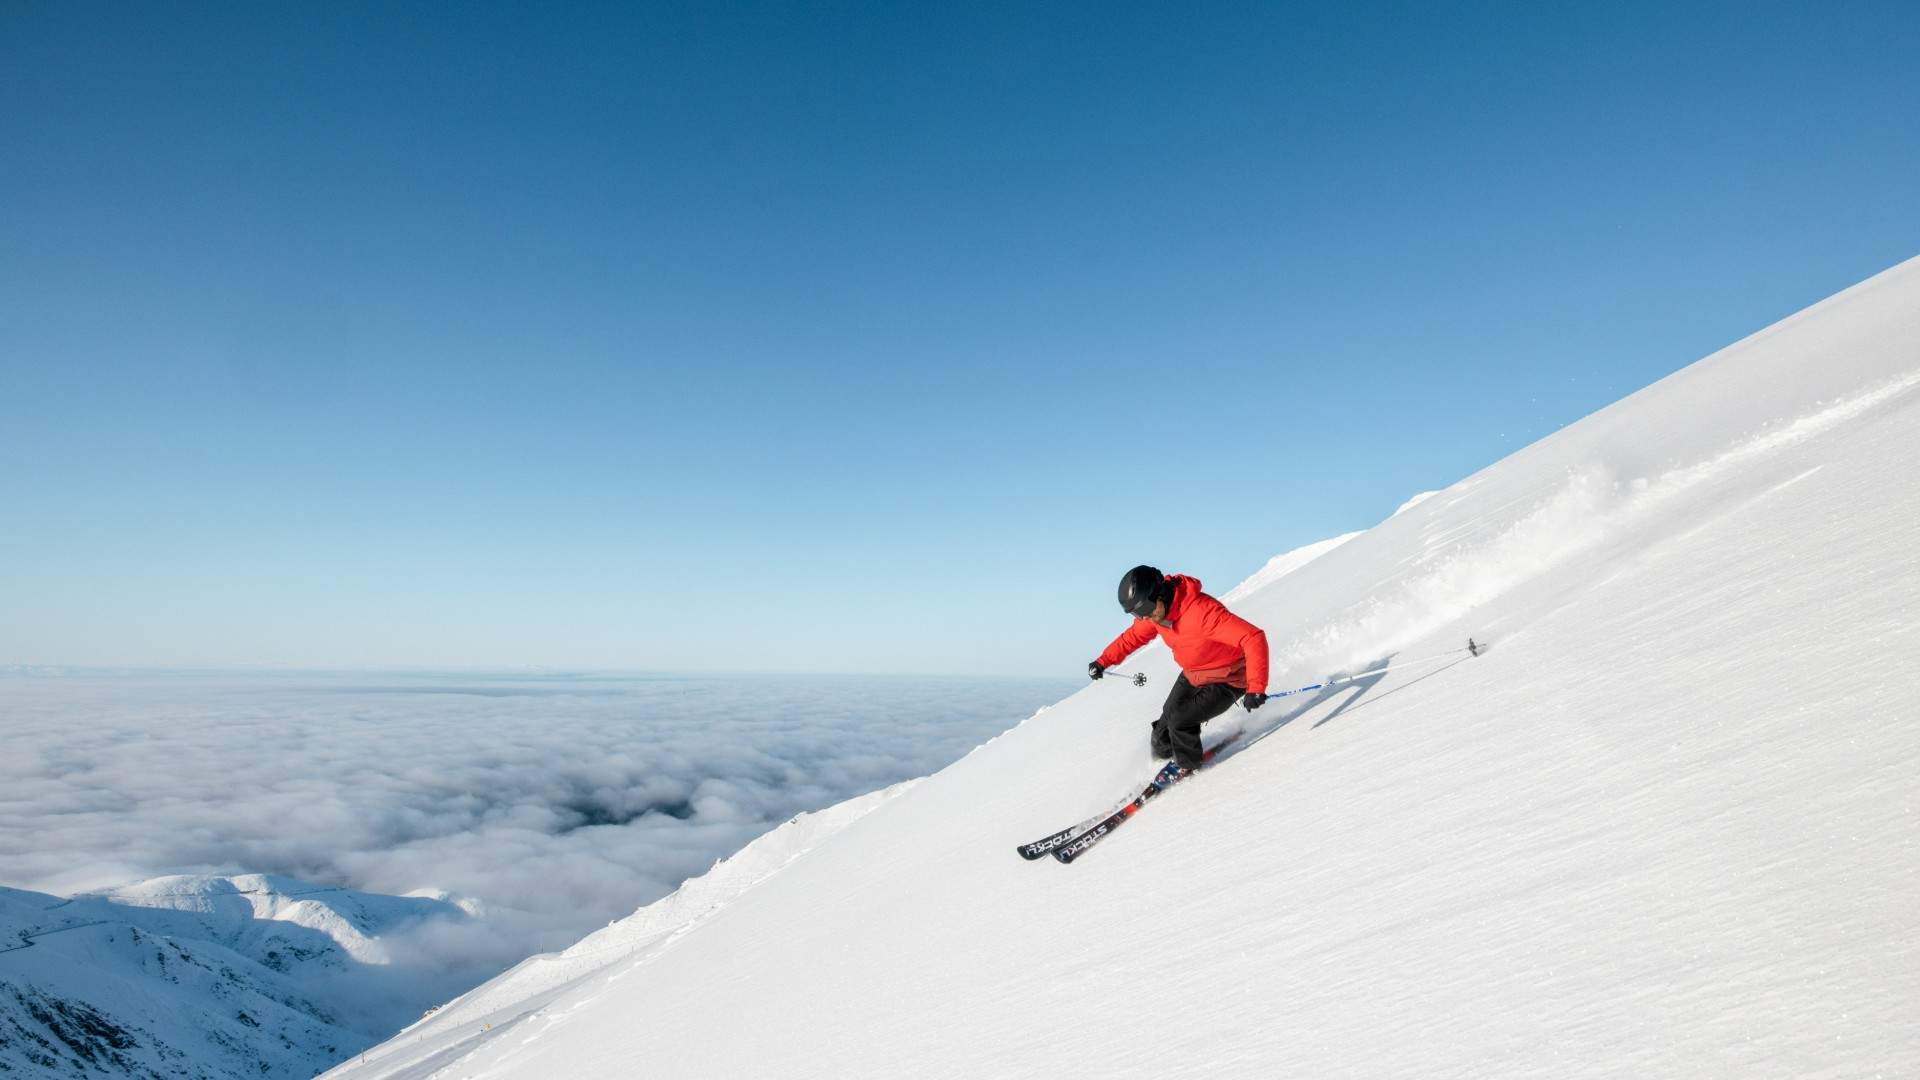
<point x="1177" y="733"/>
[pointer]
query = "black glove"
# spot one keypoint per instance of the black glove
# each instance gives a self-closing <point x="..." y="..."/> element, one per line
<point x="1095" y="671"/>
<point x="1253" y="701"/>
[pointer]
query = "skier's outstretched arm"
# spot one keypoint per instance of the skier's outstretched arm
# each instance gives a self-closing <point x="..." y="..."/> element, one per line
<point x="1123" y="646"/>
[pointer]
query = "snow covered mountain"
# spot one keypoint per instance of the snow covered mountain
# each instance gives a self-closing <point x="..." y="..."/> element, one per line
<point x="1664" y="828"/>
<point x="201" y="977"/>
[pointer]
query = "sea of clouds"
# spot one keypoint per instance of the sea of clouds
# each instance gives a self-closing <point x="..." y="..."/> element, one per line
<point x="558" y="802"/>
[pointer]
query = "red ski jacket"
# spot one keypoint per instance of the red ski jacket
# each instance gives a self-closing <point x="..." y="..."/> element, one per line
<point x="1210" y="643"/>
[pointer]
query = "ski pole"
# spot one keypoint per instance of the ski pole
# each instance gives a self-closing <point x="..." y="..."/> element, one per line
<point x="1301" y="690"/>
<point x="1137" y="680"/>
<point x="1472" y="646"/>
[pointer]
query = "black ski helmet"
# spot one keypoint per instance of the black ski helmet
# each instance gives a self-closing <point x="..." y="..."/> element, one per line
<point x="1141" y="589"/>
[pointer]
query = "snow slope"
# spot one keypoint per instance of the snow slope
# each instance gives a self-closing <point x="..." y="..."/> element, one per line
<point x="519" y="994"/>
<point x="192" y="976"/>
<point x="1665" y="828"/>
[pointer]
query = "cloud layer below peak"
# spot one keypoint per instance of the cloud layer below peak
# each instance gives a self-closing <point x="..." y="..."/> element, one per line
<point x="557" y="802"/>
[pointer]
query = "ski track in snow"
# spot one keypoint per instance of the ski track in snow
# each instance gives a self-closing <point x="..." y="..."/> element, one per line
<point x="1453" y="576"/>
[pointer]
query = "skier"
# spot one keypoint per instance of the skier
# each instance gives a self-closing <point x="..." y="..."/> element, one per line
<point x="1221" y="657"/>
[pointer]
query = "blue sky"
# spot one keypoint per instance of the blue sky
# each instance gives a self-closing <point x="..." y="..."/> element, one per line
<point x="849" y="338"/>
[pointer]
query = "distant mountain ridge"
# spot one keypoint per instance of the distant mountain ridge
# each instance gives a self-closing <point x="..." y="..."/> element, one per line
<point x="202" y="976"/>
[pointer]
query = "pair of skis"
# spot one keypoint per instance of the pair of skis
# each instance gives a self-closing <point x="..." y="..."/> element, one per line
<point x="1073" y="841"/>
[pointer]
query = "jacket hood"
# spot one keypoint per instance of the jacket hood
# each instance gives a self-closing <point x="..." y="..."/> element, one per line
<point x="1184" y="590"/>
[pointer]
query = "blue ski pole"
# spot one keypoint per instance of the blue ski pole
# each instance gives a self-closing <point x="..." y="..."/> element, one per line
<point x="1473" y="647"/>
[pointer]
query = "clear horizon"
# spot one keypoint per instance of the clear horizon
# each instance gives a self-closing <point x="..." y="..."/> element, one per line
<point x="849" y="338"/>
